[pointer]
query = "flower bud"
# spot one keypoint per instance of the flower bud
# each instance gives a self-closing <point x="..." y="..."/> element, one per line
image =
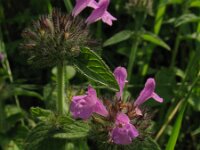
<point x="140" y="6"/>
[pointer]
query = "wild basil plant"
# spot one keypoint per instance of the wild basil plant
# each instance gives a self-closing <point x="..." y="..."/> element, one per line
<point x="59" y="39"/>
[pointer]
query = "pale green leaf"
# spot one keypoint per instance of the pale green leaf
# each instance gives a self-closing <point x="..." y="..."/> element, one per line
<point x="153" y="38"/>
<point x="118" y="37"/>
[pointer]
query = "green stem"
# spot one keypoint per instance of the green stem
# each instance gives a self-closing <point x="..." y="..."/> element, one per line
<point x="60" y="88"/>
<point x="140" y="18"/>
<point x="68" y="5"/>
<point x="175" y="51"/>
<point x="132" y="58"/>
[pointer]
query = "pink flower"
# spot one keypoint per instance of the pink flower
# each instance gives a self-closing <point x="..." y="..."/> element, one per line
<point x="83" y="106"/>
<point x="123" y="132"/>
<point x="100" y="12"/>
<point x="81" y="5"/>
<point x="120" y="74"/>
<point x="147" y="93"/>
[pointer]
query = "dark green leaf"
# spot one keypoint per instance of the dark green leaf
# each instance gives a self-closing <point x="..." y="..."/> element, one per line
<point x="92" y="66"/>
<point x="118" y="37"/>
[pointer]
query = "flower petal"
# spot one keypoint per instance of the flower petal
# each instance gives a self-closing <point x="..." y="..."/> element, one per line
<point x="108" y="18"/>
<point x="98" y="12"/>
<point x="122" y="119"/>
<point x="157" y="97"/>
<point x="84" y="105"/>
<point x="80" y="5"/>
<point x="120" y="74"/>
<point x="100" y="109"/>
<point x="146" y="93"/>
<point x="124" y="135"/>
<point x="80" y="109"/>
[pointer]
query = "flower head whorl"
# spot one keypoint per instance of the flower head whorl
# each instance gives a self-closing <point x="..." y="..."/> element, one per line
<point x="54" y="38"/>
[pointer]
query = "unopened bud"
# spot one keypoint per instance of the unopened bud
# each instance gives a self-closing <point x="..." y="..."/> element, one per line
<point x="140" y="6"/>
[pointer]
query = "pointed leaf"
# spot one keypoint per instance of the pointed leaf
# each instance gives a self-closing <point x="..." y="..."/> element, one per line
<point x="186" y="18"/>
<point x="92" y="66"/>
<point x="153" y="38"/>
<point x="118" y="37"/>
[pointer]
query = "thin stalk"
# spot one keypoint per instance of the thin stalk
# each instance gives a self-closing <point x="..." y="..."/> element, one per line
<point x="171" y="116"/>
<point x="60" y="88"/>
<point x="7" y="65"/>
<point x="175" y="51"/>
<point x="132" y="58"/>
<point x="140" y="18"/>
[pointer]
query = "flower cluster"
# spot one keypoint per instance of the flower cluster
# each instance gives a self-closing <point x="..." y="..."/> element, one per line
<point x="99" y="13"/>
<point x="123" y="129"/>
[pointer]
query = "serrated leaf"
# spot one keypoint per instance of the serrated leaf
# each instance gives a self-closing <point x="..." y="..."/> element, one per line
<point x="118" y="37"/>
<point x="41" y="114"/>
<point x="153" y="38"/>
<point x="58" y="130"/>
<point x="186" y="18"/>
<point x="92" y="66"/>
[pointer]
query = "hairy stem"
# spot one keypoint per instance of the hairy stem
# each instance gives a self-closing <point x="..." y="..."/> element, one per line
<point x="60" y="89"/>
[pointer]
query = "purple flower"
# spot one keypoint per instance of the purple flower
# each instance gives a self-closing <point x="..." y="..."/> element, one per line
<point x="120" y="75"/>
<point x="123" y="132"/>
<point x="83" y="106"/>
<point x="147" y="93"/>
<point x="100" y="12"/>
<point x="1" y="56"/>
<point x="81" y="5"/>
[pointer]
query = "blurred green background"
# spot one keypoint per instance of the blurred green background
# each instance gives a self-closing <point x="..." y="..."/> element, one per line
<point x="164" y="39"/>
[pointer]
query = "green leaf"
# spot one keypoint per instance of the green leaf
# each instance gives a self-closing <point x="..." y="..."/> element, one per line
<point x="176" y="129"/>
<point x="193" y="36"/>
<point x="153" y="38"/>
<point x="92" y="66"/>
<point x="159" y="17"/>
<point x="194" y="3"/>
<point x="41" y="114"/>
<point x="24" y="92"/>
<point x="186" y="18"/>
<point x="55" y="133"/>
<point x="118" y="37"/>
